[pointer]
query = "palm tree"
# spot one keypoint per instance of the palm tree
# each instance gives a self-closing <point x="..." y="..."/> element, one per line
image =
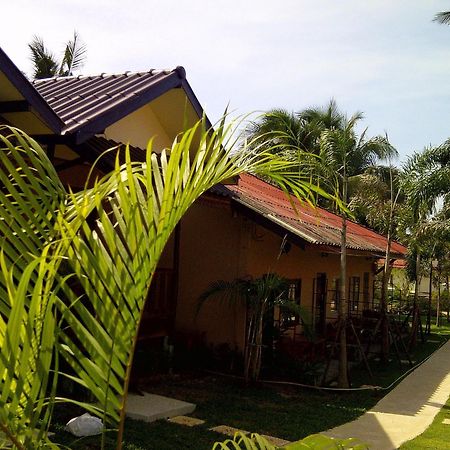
<point x="279" y="130"/>
<point x="345" y="154"/>
<point x="106" y="240"/>
<point x="289" y="133"/>
<point x="442" y="17"/>
<point x="260" y="296"/>
<point x="426" y="179"/>
<point x="377" y="202"/>
<point x="46" y="65"/>
<point x="339" y="155"/>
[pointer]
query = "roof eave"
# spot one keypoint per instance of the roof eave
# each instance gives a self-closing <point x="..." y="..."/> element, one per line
<point x="29" y="93"/>
<point x="173" y="80"/>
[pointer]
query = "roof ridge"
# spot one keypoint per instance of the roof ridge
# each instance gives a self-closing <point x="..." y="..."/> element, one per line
<point x="179" y="69"/>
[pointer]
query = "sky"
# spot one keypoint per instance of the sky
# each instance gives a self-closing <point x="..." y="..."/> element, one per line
<point x="385" y="58"/>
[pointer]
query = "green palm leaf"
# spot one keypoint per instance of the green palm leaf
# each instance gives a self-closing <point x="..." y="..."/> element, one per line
<point x="104" y="242"/>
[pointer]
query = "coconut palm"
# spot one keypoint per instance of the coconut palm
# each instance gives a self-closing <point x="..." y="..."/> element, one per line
<point x="376" y="201"/>
<point x="442" y="17"/>
<point x="426" y="179"/>
<point x="279" y="130"/>
<point x="345" y="154"/>
<point x="291" y="132"/>
<point x="46" y="65"/>
<point x="76" y="267"/>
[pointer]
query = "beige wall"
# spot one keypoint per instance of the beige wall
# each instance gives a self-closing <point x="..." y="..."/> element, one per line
<point x="137" y="128"/>
<point x="162" y="119"/>
<point x="209" y="251"/>
<point x="217" y="244"/>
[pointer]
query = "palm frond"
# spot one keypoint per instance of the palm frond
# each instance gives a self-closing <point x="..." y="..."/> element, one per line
<point x="97" y="251"/>
<point x="74" y="56"/>
<point x="44" y="62"/>
<point x="442" y="17"/>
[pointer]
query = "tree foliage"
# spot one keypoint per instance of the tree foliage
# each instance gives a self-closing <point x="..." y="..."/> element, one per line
<point x="47" y="65"/>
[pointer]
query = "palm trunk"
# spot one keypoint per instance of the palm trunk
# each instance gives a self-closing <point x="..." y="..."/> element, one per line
<point x="343" y="308"/>
<point x="430" y="294"/>
<point x="438" y="301"/>
<point x="383" y="306"/>
<point x="386" y="275"/>
<point x="415" y="315"/>
<point x="249" y="348"/>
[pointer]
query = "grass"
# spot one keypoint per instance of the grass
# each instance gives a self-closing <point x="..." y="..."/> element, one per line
<point x="283" y="411"/>
<point x="436" y="437"/>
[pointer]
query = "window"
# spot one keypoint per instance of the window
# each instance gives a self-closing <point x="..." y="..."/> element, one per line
<point x="335" y="293"/>
<point x="366" y="290"/>
<point x="354" y="288"/>
<point x="294" y="295"/>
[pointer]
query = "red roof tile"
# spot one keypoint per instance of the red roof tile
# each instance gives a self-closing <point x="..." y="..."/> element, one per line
<point x="314" y="225"/>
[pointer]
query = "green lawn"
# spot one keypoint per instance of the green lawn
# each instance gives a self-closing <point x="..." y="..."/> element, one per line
<point x="437" y="436"/>
<point x="286" y="412"/>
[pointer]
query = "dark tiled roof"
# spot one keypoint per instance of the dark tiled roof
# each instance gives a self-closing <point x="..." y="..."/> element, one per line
<point x="313" y="225"/>
<point x="98" y="101"/>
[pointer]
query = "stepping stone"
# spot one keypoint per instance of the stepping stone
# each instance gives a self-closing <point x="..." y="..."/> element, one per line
<point x="277" y="442"/>
<point x="150" y="407"/>
<point x="228" y="431"/>
<point x="187" y="421"/>
<point x="446" y="421"/>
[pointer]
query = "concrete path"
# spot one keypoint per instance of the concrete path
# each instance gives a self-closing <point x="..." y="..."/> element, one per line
<point x="408" y="410"/>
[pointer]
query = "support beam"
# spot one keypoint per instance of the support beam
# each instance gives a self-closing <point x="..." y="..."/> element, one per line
<point x="69" y="164"/>
<point x="50" y="150"/>
<point x="56" y="139"/>
<point x="14" y="106"/>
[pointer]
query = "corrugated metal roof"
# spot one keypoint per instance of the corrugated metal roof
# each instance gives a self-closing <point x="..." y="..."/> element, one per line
<point x="81" y="100"/>
<point x="314" y="225"/>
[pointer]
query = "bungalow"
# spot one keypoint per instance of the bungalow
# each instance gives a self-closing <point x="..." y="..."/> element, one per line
<point x="251" y="228"/>
<point x="247" y="228"/>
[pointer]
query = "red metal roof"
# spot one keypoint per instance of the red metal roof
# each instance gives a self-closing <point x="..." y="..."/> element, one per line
<point x="314" y="225"/>
<point x="80" y="101"/>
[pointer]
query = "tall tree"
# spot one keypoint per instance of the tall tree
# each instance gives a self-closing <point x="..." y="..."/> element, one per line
<point x="46" y="65"/>
<point x="340" y="154"/>
<point x="346" y="154"/>
<point x="289" y="133"/>
<point x="377" y="201"/>
<point x="426" y="180"/>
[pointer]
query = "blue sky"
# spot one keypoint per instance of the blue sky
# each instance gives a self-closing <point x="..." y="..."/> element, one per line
<point x="384" y="58"/>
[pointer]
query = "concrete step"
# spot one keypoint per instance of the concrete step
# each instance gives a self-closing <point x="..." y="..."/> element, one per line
<point x="150" y="407"/>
